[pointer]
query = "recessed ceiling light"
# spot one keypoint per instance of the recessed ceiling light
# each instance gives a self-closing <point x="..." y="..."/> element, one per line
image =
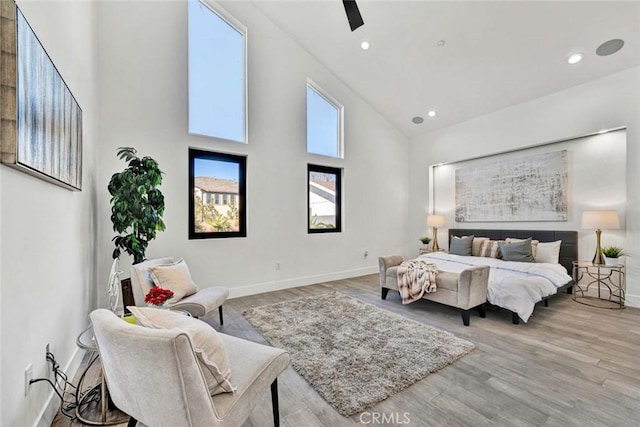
<point x="610" y="47"/>
<point x="574" y="58"/>
<point x="440" y="43"/>
<point x="417" y="120"/>
<point x="432" y="113"/>
<point x="365" y="45"/>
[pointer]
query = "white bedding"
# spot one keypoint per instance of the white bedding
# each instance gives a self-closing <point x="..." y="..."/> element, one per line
<point x="516" y="286"/>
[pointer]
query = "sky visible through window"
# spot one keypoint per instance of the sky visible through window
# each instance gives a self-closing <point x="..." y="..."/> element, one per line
<point x="216" y="75"/>
<point x="216" y="168"/>
<point x="322" y="125"/>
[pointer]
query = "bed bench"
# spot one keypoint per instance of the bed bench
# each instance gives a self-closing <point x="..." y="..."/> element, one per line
<point x="465" y="290"/>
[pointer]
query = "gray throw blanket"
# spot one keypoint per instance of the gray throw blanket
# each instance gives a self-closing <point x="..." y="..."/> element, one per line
<point x="415" y="278"/>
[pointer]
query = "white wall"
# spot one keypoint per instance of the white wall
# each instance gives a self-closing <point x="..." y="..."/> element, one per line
<point x="47" y="250"/>
<point x="143" y="98"/>
<point x="605" y="103"/>
<point x="597" y="180"/>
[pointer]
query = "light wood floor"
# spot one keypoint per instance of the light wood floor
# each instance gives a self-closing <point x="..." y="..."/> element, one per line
<point x="571" y="365"/>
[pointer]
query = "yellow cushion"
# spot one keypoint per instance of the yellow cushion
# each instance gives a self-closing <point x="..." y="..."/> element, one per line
<point x="130" y="318"/>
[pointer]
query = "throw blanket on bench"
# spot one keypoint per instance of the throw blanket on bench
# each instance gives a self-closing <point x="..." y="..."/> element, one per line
<point x="415" y="278"/>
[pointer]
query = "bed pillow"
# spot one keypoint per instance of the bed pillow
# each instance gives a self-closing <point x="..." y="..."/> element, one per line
<point x="534" y="244"/>
<point x="461" y="245"/>
<point x="174" y="276"/>
<point x="548" y="252"/>
<point x="476" y="246"/>
<point x="491" y="249"/>
<point x="207" y="344"/>
<point x="517" y="251"/>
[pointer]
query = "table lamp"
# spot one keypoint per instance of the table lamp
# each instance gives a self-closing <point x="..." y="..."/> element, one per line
<point x="598" y="220"/>
<point x="435" y="221"/>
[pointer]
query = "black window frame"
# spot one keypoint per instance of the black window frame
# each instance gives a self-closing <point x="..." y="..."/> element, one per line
<point x="338" y="174"/>
<point x="242" y="193"/>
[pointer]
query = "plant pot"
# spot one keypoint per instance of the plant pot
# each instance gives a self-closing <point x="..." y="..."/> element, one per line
<point x="611" y="262"/>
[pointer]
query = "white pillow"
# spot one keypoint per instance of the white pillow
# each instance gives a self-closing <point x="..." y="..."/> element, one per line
<point x="174" y="276"/>
<point x="207" y="344"/>
<point x="534" y="244"/>
<point x="548" y="252"/>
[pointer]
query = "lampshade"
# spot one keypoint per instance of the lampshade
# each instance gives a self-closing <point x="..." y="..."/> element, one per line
<point x="607" y="220"/>
<point x="435" y="221"/>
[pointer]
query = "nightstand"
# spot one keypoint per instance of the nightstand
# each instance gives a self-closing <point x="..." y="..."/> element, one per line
<point x="608" y="282"/>
<point x="424" y="250"/>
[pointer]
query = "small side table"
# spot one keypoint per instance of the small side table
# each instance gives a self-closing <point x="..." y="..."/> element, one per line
<point x="609" y="282"/>
<point x="87" y="342"/>
<point x="428" y="250"/>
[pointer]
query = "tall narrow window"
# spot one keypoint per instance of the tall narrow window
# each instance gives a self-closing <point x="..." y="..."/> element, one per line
<point x="217" y="73"/>
<point x="324" y="123"/>
<point x="324" y="199"/>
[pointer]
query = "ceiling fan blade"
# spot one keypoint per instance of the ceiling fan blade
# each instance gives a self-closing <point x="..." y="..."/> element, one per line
<point x="353" y="14"/>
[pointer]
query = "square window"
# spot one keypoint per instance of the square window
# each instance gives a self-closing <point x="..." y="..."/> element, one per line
<point x="324" y="123"/>
<point x="213" y="177"/>
<point x="324" y="199"/>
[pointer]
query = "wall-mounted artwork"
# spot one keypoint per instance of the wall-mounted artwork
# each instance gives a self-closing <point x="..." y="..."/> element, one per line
<point x="41" y="126"/>
<point x="217" y="195"/>
<point x="532" y="188"/>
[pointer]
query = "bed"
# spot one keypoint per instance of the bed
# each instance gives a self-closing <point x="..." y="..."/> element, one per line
<point x="517" y="286"/>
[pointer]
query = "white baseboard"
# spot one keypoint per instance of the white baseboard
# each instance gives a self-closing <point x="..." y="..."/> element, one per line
<point x="632" y="300"/>
<point x="48" y="412"/>
<point x="260" y="288"/>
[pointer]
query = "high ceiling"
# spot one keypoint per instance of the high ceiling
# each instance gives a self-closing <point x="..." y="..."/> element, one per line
<point x="496" y="54"/>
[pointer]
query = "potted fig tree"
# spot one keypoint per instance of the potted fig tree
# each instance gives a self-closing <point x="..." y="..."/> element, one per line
<point x="137" y="206"/>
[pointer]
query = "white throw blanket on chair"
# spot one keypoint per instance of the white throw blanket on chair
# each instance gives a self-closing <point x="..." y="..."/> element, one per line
<point x="415" y="278"/>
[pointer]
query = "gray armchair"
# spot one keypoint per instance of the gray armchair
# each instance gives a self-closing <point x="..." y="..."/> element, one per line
<point x="202" y="302"/>
<point x="154" y="377"/>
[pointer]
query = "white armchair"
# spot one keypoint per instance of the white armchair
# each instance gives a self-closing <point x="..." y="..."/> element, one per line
<point x="202" y="302"/>
<point x="153" y="375"/>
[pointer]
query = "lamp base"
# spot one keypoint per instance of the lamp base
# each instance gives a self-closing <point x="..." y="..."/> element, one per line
<point x="598" y="258"/>
<point x="435" y="247"/>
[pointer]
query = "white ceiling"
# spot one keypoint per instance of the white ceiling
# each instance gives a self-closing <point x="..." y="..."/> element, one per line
<point x="497" y="53"/>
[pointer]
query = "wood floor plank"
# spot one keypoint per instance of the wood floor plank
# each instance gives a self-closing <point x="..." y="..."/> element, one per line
<point x="570" y="365"/>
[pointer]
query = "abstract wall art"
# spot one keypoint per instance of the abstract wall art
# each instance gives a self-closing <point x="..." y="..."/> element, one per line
<point x="41" y="125"/>
<point x="532" y="188"/>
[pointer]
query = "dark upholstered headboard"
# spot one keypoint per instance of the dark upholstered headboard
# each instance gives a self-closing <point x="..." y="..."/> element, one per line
<point x="568" y="248"/>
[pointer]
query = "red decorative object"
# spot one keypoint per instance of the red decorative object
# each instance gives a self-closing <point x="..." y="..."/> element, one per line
<point x="158" y="296"/>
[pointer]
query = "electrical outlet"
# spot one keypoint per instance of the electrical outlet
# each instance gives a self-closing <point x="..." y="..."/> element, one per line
<point x="28" y="376"/>
<point x="366" y="254"/>
<point x="278" y="265"/>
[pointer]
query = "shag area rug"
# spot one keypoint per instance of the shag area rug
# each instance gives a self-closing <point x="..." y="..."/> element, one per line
<point x="352" y="353"/>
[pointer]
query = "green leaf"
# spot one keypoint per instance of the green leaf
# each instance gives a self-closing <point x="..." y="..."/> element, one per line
<point x="137" y="205"/>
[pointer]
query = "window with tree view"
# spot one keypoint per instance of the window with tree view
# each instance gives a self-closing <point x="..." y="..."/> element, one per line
<point x="324" y="199"/>
<point x="217" y="202"/>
